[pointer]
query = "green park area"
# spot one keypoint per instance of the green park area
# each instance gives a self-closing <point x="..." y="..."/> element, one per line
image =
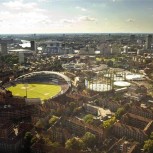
<point x="42" y="91"/>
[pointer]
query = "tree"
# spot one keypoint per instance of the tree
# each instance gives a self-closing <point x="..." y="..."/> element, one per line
<point x="127" y="106"/>
<point x="110" y="63"/>
<point x="56" y="65"/>
<point x="77" y="110"/>
<point x="48" y="142"/>
<point x="120" y="112"/>
<point x="148" y="146"/>
<point x="33" y="140"/>
<point x="53" y="119"/>
<point x="108" y="123"/>
<point x="27" y="141"/>
<point x="56" y="144"/>
<point x="41" y="124"/>
<point x="72" y="105"/>
<point x="151" y="136"/>
<point x="28" y="136"/>
<point x="148" y="71"/>
<point x="88" y="118"/>
<point x="89" y="139"/>
<point x="74" y="144"/>
<point x="96" y="102"/>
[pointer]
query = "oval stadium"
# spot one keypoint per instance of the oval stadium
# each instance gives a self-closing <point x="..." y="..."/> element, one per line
<point x="43" y="84"/>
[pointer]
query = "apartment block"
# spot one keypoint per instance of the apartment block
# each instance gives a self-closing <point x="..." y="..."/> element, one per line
<point x="124" y="146"/>
<point x="122" y="130"/>
<point x="144" y="112"/>
<point x="138" y="122"/>
<point x="79" y="127"/>
<point x="134" y="127"/>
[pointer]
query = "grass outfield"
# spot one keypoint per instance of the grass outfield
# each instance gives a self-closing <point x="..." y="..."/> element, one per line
<point x="42" y="91"/>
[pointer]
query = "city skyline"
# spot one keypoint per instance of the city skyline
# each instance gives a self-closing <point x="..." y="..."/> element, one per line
<point x="76" y="16"/>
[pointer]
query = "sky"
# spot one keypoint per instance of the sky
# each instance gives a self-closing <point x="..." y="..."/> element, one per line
<point x="76" y="16"/>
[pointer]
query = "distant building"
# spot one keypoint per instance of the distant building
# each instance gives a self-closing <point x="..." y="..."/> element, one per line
<point x="33" y="45"/>
<point x="106" y="49"/>
<point x="54" y="47"/>
<point x="148" y="41"/>
<point x="132" y="38"/>
<point x="21" y="57"/>
<point x="87" y="50"/>
<point x="4" y="45"/>
<point x="4" y="48"/>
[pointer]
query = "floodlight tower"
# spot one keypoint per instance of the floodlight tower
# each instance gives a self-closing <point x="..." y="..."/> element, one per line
<point x="26" y="86"/>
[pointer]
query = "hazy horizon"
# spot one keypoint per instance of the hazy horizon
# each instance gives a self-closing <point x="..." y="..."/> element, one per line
<point x="92" y="33"/>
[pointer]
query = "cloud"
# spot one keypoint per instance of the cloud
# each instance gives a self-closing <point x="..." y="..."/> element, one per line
<point x="81" y="8"/>
<point x="130" y="20"/>
<point x="116" y="0"/>
<point x="19" y="5"/>
<point x="78" y="19"/>
<point x="87" y="18"/>
<point x="67" y="21"/>
<point x="22" y="16"/>
<point x="43" y="0"/>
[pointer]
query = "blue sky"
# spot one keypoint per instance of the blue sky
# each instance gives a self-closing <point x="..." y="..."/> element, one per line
<point x="75" y="16"/>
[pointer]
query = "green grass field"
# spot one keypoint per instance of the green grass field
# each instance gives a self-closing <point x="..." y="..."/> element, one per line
<point x="42" y="91"/>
